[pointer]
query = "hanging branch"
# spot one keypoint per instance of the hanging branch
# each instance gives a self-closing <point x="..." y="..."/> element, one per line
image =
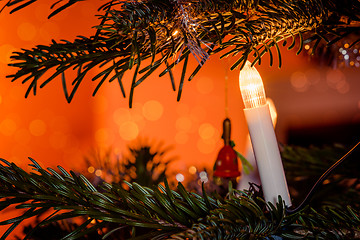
<point x="164" y="33"/>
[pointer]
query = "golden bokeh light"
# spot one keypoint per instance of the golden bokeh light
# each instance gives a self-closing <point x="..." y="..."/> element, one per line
<point x="129" y="130"/>
<point x="104" y="136"/>
<point x="299" y="81"/>
<point x="91" y="169"/>
<point x="192" y="170"/>
<point x="136" y="115"/>
<point x="37" y="127"/>
<point x="336" y="79"/>
<point x="8" y="127"/>
<point x="343" y="87"/>
<point x="121" y="115"/>
<point x="206" y="131"/>
<point x="26" y="31"/>
<point x="152" y="110"/>
<point x="98" y="172"/>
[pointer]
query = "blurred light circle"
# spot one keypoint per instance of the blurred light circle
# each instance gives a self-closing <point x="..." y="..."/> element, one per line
<point x="91" y="169"/>
<point x="26" y="31"/>
<point x="129" y="130"/>
<point x="152" y="110"/>
<point x="121" y="115"/>
<point x="299" y="81"/>
<point x="37" y="127"/>
<point x="206" y="131"/>
<point x="98" y="172"/>
<point x="179" y="177"/>
<point x="8" y="127"/>
<point x="192" y="170"/>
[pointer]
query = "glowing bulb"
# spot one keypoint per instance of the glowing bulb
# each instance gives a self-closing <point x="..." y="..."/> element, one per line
<point x="262" y="134"/>
<point x="192" y="169"/>
<point x="98" y="172"/>
<point x="179" y="177"/>
<point x="251" y="87"/>
<point x="91" y="169"/>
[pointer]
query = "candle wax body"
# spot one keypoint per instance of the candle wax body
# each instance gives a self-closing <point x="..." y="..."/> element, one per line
<point x="267" y="154"/>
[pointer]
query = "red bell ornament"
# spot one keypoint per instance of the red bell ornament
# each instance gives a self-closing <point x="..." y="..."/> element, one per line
<point x="226" y="164"/>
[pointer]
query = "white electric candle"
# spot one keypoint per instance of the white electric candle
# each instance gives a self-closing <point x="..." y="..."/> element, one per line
<point x="253" y="175"/>
<point x="262" y="134"/>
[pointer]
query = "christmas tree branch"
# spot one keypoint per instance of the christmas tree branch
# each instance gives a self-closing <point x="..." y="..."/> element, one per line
<point x="165" y="33"/>
<point x="74" y="196"/>
<point x="164" y="212"/>
<point x="17" y="5"/>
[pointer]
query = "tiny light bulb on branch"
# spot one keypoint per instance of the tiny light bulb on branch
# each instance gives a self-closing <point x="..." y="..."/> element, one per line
<point x="251" y="87"/>
<point x="262" y="134"/>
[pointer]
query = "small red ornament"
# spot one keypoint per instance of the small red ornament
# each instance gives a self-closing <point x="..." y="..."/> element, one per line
<point x="226" y="164"/>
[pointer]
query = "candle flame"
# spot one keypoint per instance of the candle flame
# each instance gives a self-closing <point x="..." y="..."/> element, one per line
<point x="251" y="87"/>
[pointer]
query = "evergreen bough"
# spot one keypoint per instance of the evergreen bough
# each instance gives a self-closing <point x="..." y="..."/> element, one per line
<point x="159" y="212"/>
<point x="149" y="35"/>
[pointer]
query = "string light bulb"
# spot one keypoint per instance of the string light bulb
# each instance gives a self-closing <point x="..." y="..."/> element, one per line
<point x="262" y="135"/>
<point x="251" y="87"/>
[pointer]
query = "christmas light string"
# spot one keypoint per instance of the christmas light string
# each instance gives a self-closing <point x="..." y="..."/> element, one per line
<point x="321" y="180"/>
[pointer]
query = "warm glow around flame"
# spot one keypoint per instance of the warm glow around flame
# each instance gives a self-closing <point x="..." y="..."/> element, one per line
<point x="273" y="111"/>
<point x="251" y="87"/>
